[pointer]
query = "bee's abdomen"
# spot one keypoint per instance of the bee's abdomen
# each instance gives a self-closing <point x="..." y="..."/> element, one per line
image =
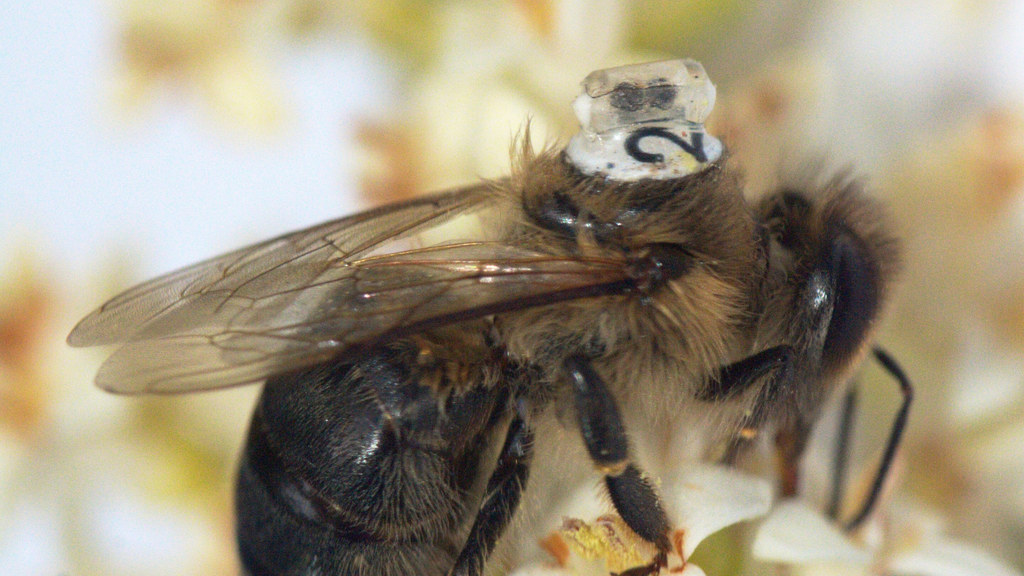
<point x="283" y="528"/>
<point x="360" y="467"/>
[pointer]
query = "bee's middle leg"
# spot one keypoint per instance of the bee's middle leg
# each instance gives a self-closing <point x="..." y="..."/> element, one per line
<point x="501" y="499"/>
<point x="604" y="435"/>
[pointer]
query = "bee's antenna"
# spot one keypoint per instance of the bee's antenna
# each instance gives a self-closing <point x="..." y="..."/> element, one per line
<point x="842" y="451"/>
<point x="895" y="436"/>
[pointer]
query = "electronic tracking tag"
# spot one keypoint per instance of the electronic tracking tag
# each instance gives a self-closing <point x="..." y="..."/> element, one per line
<point x="645" y="121"/>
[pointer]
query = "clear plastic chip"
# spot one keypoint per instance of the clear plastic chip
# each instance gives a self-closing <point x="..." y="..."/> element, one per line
<point x="645" y="121"/>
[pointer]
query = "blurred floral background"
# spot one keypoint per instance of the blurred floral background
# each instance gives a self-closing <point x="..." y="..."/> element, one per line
<point x="139" y="136"/>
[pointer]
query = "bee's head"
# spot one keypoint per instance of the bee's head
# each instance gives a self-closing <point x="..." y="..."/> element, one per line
<point x="832" y="261"/>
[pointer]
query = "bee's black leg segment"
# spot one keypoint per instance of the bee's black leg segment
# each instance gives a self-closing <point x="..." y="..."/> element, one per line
<point x="638" y="503"/>
<point x="895" y="436"/>
<point x="604" y="435"/>
<point x="501" y="500"/>
<point x="598" y="417"/>
<point x="773" y="363"/>
<point x="740" y="375"/>
<point x="842" y="451"/>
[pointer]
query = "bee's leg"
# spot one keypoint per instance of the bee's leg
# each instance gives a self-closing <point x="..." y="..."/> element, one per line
<point x="633" y="495"/>
<point x="501" y="500"/>
<point x="895" y="437"/>
<point x="736" y="378"/>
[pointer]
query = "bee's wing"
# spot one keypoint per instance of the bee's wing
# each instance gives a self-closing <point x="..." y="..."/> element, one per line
<point x="287" y="262"/>
<point x="305" y="297"/>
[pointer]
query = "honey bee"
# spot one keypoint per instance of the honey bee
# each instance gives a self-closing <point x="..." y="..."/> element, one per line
<point x="408" y="351"/>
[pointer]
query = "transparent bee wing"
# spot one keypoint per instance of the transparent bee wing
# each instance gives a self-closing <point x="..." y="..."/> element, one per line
<point x="289" y="261"/>
<point x="305" y="297"/>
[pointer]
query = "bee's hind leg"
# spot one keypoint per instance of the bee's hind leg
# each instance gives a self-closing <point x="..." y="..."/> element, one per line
<point x="604" y="435"/>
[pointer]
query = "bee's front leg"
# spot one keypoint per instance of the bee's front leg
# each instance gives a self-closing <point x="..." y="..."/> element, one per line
<point x="772" y="369"/>
<point x="634" y="497"/>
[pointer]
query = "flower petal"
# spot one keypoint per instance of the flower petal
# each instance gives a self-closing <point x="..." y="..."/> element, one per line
<point x="709" y="498"/>
<point x="794" y="533"/>
<point x="944" y="557"/>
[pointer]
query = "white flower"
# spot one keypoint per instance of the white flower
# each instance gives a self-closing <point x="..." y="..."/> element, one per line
<point x="704" y="499"/>
<point x="906" y="540"/>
